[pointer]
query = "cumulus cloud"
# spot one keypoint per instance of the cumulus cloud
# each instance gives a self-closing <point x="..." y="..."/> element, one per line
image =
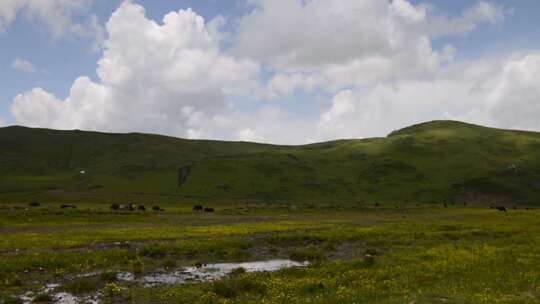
<point x="167" y="78"/>
<point x="481" y="13"/>
<point x="314" y="33"/>
<point x="336" y="44"/>
<point x="23" y="65"/>
<point x="375" y="59"/>
<point x="56" y="16"/>
<point x="500" y="93"/>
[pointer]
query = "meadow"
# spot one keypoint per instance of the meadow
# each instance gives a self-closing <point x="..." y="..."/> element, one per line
<point x="399" y="219"/>
<point x="389" y="253"/>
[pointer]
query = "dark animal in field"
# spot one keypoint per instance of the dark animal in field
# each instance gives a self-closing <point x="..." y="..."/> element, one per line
<point x="34" y="204"/>
<point x="515" y="207"/>
<point x="377" y="204"/>
<point x="445" y="205"/>
<point x="209" y="210"/>
<point x="115" y="207"/>
<point x="162" y="210"/>
<point x="503" y="209"/>
<point x="130" y="207"/>
<point x="141" y="208"/>
<point x="155" y="208"/>
<point x="198" y="208"/>
<point x="65" y="206"/>
<point x="183" y="174"/>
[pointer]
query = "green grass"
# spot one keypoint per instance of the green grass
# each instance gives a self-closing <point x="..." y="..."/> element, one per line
<point x="433" y="162"/>
<point x="368" y="214"/>
<point x="424" y="254"/>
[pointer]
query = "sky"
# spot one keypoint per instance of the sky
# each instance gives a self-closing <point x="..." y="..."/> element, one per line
<point x="276" y="71"/>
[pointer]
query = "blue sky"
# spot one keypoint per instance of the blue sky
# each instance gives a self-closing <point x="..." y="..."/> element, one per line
<point x="58" y="61"/>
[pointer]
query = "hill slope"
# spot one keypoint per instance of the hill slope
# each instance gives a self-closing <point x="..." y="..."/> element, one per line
<point x="430" y="162"/>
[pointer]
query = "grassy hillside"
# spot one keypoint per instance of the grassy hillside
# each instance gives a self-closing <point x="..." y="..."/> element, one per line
<point x="441" y="161"/>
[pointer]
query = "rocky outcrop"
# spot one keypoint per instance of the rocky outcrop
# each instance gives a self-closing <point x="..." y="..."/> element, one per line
<point x="183" y="174"/>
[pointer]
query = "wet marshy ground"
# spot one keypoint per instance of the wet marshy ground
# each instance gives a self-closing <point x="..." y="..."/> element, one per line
<point x="194" y="274"/>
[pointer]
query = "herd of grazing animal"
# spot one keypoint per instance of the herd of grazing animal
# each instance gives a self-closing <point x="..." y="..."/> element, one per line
<point x="200" y="208"/>
<point x="133" y="207"/>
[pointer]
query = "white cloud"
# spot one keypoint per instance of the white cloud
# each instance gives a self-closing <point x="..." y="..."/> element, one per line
<point x="56" y="16"/>
<point x="481" y="13"/>
<point x="501" y="93"/>
<point x="337" y="44"/>
<point x="271" y="124"/>
<point x="315" y="33"/>
<point x="170" y="78"/>
<point x="8" y="12"/>
<point x="23" y="65"/>
<point x="375" y="58"/>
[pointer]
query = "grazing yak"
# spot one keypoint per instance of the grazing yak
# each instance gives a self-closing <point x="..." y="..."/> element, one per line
<point x="115" y="206"/>
<point x="66" y="206"/>
<point x="141" y="208"/>
<point x="209" y="210"/>
<point x="198" y="208"/>
<point x="156" y="208"/>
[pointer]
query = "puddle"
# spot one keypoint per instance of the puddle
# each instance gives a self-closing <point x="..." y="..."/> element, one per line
<point x="210" y="272"/>
<point x="205" y="273"/>
<point x="61" y="297"/>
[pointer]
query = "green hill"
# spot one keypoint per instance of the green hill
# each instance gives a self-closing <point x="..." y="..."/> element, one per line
<point x="440" y="161"/>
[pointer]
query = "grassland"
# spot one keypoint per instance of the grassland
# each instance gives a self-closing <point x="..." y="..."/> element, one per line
<point x="400" y="219"/>
<point x="442" y="161"/>
<point x="419" y="254"/>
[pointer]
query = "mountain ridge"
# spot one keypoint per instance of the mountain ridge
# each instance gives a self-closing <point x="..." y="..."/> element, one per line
<point x="437" y="161"/>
